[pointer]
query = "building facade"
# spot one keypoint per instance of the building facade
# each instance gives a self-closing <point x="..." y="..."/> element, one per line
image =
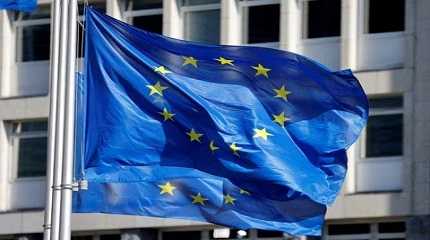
<point x="386" y="194"/>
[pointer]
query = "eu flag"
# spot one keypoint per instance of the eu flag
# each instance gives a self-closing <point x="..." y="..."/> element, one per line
<point x="244" y="137"/>
<point x="19" y="5"/>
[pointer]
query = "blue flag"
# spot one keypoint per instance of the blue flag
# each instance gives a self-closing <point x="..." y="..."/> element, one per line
<point x="244" y="137"/>
<point x="19" y="5"/>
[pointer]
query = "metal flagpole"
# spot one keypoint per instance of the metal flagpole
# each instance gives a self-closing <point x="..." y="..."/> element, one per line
<point x="69" y="138"/>
<point x="59" y="136"/>
<point x="55" y="44"/>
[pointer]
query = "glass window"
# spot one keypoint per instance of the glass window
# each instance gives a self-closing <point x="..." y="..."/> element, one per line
<point x="262" y="23"/>
<point x="386" y="16"/>
<point x="29" y="143"/>
<point x="203" y="26"/>
<point x="269" y="234"/>
<point x="233" y="234"/>
<point x="384" y="132"/>
<point x="344" y="229"/>
<point x="110" y="237"/>
<point x="391" y="227"/>
<point x="82" y="237"/>
<point x="33" y="34"/>
<point x="323" y="18"/>
<point x="147" y="15"/>
<point x="189" y="235"/>
<point x="202" y="20"/>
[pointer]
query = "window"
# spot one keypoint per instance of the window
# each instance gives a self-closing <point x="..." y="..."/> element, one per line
<point x="231" y="234"/>
<point x="379" y="167"/>
<point x="174" y="235"/>
<point x="110" y="237"/>
<point x="29" y="148"/>
<point x="202" y="20"/>
<point x="322" y="18"/>
<point x="386" y="16"/>
<point x="366" y="231"/>
<point x="262" y="19"/>
<point x="33" y="34"/>
<point x="270" y="234"/>
<point x="384" y="132"/>
<point x="98" y="4"/>
<point x="147" y="15"/>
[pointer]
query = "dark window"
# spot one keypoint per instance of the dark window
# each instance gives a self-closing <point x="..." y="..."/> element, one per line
<point x="97" y="4"/>
<point x="386" y="16"/>
<point x="189" y="235"/>
<point x="263" y="23"/>
<point x="110" y="237"/>
<point x="35" y="42"/>
<point x="199" y="2"/>
<point x="392" y="227"/>
<point x="384" y="136"/>
<point x="342" y="229"/>
<point x="146" y="4"/>
<point x="82" y="237"/>
<point x="384" y="132"/>
<point x="152" y="23"/>
<point x="323" y="18"/>
<point x="30" y="146"/>
<point x="269" y="234"/>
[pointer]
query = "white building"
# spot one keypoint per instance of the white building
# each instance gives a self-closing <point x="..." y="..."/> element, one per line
<point x="386" y="43"/>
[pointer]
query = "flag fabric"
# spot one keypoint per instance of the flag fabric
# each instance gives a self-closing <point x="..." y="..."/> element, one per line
<point x="19" y="5"/>
<point x="244" y="137"/>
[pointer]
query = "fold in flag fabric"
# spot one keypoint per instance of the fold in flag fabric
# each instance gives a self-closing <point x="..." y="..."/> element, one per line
<point x="244" y="137"/>
<point x="19" y="5"/>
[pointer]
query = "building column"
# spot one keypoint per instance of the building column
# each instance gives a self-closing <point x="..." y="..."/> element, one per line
<point x="349" y="34"/>
<point x="139" y="234"/>
<point x="7" y="52"/>
<point x="231" y="29"/>
<point x="290" y="24"/>
<point x="115" y="8"/>
<point x="172" y="19"/>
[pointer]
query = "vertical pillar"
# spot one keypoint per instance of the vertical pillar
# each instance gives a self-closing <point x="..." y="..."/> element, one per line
<point x="7" y="54"/>
<point x="231" y="22"/>
<point x="349" y="34"/>
<point x="172" y="19"/>
<point x="291" y="22"/>
<point x="115" y="8"/>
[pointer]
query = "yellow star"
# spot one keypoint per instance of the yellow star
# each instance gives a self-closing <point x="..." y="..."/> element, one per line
<point x="167" y="189"/>
<point x="241" y="191"/>
<point x="229" y="199"/>
<point x="194" y="136"/>
<point x="198" y="199"/>
<point x="262" y="133"/>
<point x="282" y="93"/>
<point x="224" y="61"/>
<point x="190" y="60"/>
<point x="261" y="70"/>
<point x="156" y="89"/>
<point x="280" y="119"/>
<point x="213" y="147"/>
<point x="162" y="70"/>
<point x="235" y="149"/>
<point x="167" y="115"/>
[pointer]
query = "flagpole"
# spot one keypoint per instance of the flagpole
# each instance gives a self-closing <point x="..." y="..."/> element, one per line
<point x="59" y="134"/>
<point x="55" y="44"/>
<point x="69" y="138"/>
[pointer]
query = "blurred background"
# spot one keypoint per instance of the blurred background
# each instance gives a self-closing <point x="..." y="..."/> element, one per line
<point x="386" y="43"/>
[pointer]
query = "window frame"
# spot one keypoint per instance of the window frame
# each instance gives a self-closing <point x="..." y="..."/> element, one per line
<point x="374" y="233"/>
<point x="18" y="26"/>
<point x="304" y="25"/>
<point x="243" y="5"/>
<point x="381" y="112"/>
<point x="129" y="14"/>
<point x="365" y="21"/>
<point x="183" y="10"/>
<point x="13" y="153"/>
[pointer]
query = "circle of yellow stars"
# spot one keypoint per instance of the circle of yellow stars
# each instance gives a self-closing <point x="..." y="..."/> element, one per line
<point x="157" y="89"/>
